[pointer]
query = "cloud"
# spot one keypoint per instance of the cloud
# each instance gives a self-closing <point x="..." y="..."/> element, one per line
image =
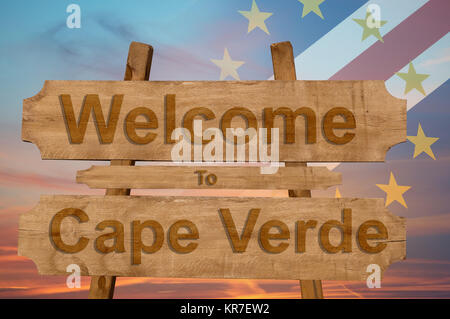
<point x="123" y="31"/>
<point x="171" y="57"/>
<point x="439" y="60"/>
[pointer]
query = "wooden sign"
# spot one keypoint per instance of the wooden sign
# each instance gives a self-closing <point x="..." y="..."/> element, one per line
<point x="318" y="121"/>
<point x="207" y="177"/>
<point x="273" y="238"/>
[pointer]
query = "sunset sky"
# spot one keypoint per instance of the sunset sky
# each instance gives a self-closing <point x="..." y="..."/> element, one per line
<point x="36" y="45"/>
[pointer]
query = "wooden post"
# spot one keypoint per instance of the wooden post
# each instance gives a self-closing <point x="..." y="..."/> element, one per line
<point x="137" y="69"/>
<point x="284" y="69"/>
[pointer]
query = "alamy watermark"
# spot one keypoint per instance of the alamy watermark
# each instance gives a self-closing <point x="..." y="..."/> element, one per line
<point x="374" y="279"/>
<point x="73" y="20"/>
<point x="74" y="279"/>
<point x="236" y="138"/>
<point x="373" y="19"/>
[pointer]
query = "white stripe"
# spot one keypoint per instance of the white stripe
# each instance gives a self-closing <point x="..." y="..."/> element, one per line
<point x="343" y="43"/>
<point x="434" y="61"/>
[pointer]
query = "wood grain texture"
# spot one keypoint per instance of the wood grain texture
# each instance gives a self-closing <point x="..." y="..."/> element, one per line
<point x="207" y="177"/>
<point x="284" y="69"/>
<point x="138" y="67"/>
<point x="214" y="256"/>
<point x="380" y="118"/>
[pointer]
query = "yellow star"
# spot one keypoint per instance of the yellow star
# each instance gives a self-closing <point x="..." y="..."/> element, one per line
<point x="256" y="18"/>
<point x="422" y="143"/>
<point x="393" y="191"/>
<point x="227" y="66"/>
<point x="338" y="193"/>
<point x="413" y="79"/>
<point x="311" y="5"/>
<point x="369" y="30"/>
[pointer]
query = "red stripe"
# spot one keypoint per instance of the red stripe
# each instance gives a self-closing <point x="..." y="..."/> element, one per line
<point x="401" y="45"/>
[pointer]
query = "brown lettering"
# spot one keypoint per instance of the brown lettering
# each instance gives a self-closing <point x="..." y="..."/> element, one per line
<point x="289" y="123"/>
<point x="139" y="246"/>
<point x="76" y="131"/>
<point x="55" y="230"/>
<point x="131" y="125"/>
<point x="346" y="232"/>
<point x="117" y="235"/>
<point x="363" y="236"/>
<point x="265" y="236"/>
<point x="239" y="243"/>
<point x="302" y="227"/>
<point x="174" y="236"/>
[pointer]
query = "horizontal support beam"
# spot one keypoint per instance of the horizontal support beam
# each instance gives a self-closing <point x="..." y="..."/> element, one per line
<point x="207" y="177"/>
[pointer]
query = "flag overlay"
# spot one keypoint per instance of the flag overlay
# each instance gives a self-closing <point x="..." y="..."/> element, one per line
<point x="402" y="42"/>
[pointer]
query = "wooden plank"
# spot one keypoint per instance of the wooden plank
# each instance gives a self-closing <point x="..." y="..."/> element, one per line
<point x="207" y="177"/>
<point x="138" y="67"/>
<point x="111" y="235"/>
<point x="51" y="119"/>
<point x="284" y="69"/>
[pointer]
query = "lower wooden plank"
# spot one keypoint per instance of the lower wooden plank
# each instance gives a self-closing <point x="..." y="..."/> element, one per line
<point x="209" y="237"/>
<point x="207" y="177"/>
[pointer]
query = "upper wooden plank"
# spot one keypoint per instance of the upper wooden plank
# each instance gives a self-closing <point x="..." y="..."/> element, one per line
<point x="52" y="120"/>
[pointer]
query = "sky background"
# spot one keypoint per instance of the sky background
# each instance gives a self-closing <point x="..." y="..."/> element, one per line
<point x="36" y="45"/>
